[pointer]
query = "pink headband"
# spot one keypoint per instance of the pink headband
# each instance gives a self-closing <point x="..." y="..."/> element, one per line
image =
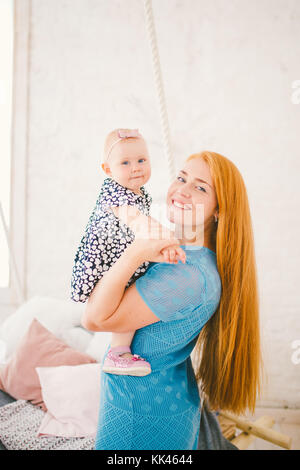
<point x="124" y="135"/>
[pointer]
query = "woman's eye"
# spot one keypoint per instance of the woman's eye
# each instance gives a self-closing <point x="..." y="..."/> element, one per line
<point x="179" y="178"/>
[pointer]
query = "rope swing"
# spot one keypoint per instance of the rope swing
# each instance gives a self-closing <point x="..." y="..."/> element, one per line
<point x="159" y="88"/>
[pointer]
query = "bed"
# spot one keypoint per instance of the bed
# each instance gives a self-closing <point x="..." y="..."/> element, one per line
<point x="5" y="399"/>
<point x="21" y="420"/>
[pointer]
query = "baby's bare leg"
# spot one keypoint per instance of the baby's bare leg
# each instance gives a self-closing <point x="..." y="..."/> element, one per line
<point x="122" y="339"/>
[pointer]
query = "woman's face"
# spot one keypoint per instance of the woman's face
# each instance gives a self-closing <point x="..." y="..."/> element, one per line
<point x="191" y="199"/>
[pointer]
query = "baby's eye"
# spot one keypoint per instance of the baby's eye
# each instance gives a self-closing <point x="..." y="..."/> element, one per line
<point x="125" y="162"/>
<point x="141" y="160"/>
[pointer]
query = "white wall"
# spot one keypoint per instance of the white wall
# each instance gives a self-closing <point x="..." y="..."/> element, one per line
<point x="228" y="69"/>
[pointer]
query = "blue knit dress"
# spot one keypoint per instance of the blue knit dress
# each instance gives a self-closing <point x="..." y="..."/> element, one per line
<point x="161" y="411"/>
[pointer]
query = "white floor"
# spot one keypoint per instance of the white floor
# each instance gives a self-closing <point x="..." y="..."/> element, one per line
<point x="287" y="421"/>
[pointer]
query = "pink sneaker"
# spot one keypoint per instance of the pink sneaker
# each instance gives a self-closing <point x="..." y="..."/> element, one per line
<point x="115" y="364"/>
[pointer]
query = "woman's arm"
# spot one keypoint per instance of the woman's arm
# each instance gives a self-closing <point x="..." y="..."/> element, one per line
<point x="108" y="292"/>
<point x="110" y="307"/>
<point x="142" y="225"/>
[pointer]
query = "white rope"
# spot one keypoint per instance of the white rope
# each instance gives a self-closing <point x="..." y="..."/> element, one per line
<point x="159" y="88"/>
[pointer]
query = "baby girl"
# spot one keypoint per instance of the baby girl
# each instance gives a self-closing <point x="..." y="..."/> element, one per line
<point x="126" y="162"/>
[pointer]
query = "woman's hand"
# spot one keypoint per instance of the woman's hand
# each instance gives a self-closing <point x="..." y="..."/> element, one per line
<point x="104" y="301"/>
<point x="157" y="251"/>
<point x="173" y="254"/>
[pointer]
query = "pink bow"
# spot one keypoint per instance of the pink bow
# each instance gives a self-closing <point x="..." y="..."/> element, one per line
<point x="136" y="357"/>
<point x="130" y="133"/>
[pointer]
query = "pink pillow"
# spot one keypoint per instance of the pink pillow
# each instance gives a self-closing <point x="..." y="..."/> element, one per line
<point x="38" y="348"/>
<point x="72" y="397"/>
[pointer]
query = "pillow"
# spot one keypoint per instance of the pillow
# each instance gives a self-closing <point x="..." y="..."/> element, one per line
<point x="78" y="338"/>
<point x="56" y="315"/>
<point x="72" y="398"/>
<point x="39" y="347"/>
<point x="2" y="351"/>
<point x="98" y="345"/>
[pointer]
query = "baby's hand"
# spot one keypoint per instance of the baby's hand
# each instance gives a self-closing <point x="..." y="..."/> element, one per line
<point x="173" y="254"/>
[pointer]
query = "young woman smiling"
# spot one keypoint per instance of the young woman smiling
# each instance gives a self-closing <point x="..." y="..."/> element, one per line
<point x="207" y="301"/>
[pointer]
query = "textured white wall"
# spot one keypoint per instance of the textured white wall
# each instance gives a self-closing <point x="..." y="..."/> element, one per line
<point x="228" y="69"/>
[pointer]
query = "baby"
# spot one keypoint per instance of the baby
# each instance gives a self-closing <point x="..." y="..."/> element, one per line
<point x="126" y="162"/>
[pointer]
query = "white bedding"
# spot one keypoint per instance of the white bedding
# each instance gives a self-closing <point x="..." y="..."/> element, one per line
<point x="19" y="424"/>
<point x="20" y="420"/>
<point x="61" y="317"/>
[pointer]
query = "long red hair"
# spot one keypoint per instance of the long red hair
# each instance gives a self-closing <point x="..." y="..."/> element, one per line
<point x="227" y="356"/>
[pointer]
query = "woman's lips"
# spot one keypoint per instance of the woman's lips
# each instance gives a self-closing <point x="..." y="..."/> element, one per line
<point x="181" y="206"/>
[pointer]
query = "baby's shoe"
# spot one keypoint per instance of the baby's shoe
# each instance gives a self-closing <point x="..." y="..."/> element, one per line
<point x="114" y="363"/>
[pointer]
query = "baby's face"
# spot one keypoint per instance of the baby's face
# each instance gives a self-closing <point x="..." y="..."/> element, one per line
<point x="129" y="164"/>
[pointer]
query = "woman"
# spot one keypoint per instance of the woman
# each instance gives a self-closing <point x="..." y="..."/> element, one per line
<point x="209" y="301"/>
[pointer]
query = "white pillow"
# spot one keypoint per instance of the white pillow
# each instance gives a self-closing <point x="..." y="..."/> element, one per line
<point x="56" y="315"/>
<point x="3" y="348"/>
<point x="72" y="398"/>
<point x="98" y="345"/>
<point x="78" y="338"/>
